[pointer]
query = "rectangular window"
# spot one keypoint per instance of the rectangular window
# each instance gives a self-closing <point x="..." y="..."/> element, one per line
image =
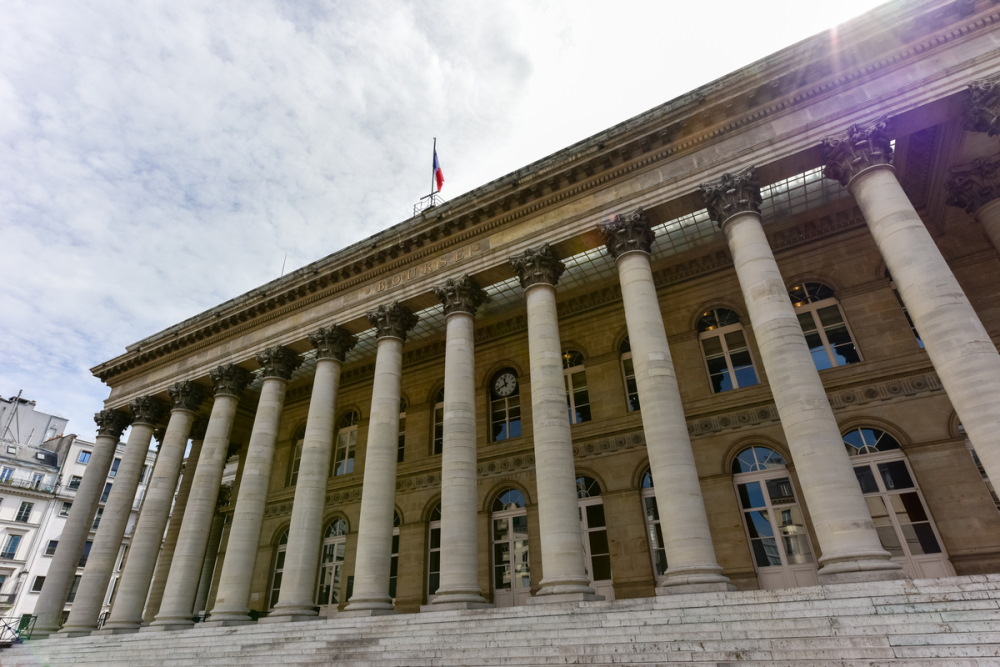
<point x="12" y="449"/>
<point x="36" y="585"/>
<point x="74" y="482"/>
<point x="36" y="479"/>
<point x="64" y="510"/>
<point x="50" y="548"/>
<point x="114" y="467"/>
<point x="107" y="492"/>
<point x="97" y="518"/>
<point x="24" y="512"/>
<point x="72" y="589"/>
<point x="6" y="473"/>
<point x="401" y="441"/>
<point x="10" y="547"/>
<point x="86" y="553"/>
<point x="84" y="456"/>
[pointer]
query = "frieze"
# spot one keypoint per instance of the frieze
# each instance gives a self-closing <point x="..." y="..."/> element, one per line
<point x="435" y="265"/>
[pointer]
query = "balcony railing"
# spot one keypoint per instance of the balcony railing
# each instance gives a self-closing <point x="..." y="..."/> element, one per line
<point x="28" y="484"/>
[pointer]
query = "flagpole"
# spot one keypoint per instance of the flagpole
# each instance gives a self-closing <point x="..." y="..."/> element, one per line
<point x="433" y="174"/>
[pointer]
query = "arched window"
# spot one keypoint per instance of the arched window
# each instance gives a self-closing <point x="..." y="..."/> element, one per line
<point x="775" y="527"/>
<point x="401" y="447"/>
<point x="279" y="567"/>
<point x="596" y="548"/>
<point x="293" y="464"/>
<point x="823" y="324"/>
<point x="434" y="551"/>
<point x="895" y="503"/>
<point x="628" y="373"/>
<point x="347" y="443"/>
<point x="511" y="573"/>
<point x="727" y="355"/>
<point x="657" y="551"/>
<point x="505" y="406"/>
<point x="332" y="563"/>
<point x="437" y="440"/>
<point x="577" y="397"/>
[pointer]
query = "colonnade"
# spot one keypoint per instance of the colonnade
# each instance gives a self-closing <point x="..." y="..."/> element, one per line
<point x="963" y="356"/>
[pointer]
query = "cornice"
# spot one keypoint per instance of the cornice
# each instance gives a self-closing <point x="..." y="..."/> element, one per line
<point x="754" y="94"/>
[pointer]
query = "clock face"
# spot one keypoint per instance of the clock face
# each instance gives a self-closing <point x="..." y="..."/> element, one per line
<point x="505" y="384"/>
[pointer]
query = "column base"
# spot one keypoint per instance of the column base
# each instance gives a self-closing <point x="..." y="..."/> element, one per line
<point x="43" y="633"/>
<point x="859" y="567"/>
<point x="552" y="598"/>
<point x="122" y="629"/>
<point x="694" y="580"/>
<point x="856" y="576"/>
<point x="168" y="625"/>
<point x="455" y="606"/>
<point x="380" y="604"/>
<point x="706" y="587"/>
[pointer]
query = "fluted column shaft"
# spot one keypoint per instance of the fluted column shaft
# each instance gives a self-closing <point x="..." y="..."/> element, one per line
<point x="459" y="547"/>
<point x="62" y="569"/>
<point x="107" y="543"/>
<point x="374" y="551"/>
<point x="683" y="520"/>
<point x="231" y="602"/>
<point x="133" y="587"/>
<point x="563" y="568"/>
<point x="176" y="608"/>
<point x="305" y="534"/>
<point x="174" y="526"/>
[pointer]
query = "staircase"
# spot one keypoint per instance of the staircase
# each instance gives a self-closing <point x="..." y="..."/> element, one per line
<point x="954" y="622"/>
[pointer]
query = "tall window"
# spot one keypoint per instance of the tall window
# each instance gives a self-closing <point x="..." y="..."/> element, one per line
<point x="401" y="443"/>
<point x="64" y="510"/>
<point x="74" y="482"/>
<point x="394" y="563"/>
<point x="774" y="524"/>
<point x="10" y="547"/>
<point x="50" y="548"/>
<point x="36" y="585"/>
<point x="727" y="355"/>
<point x="906" y="313"/>
<point x="596" y="548"/>
<point x="114" y="467"/>
<point x="347" y="443"/>
<point x="83" y="457"/>
<point x="628" y="373"/>
<point x="823" y="324"/>
<point x="106" y="492"/>
<point x="511" y="572"/>
<point x="577" y="397"/>
<point x="6" y="473"/>
<point x="86" y="553"/>
<point x="434" y="551"/>
<point x="657" y="551"/>
<point x="437" y="441"/>
<point x="505" y="405"/>
<point x="332" y="563"/>
<point x="97" y="518"/>
<point x="295" y="462"/>
<point x="24" y="512"/>
<point x="279" y="567"/>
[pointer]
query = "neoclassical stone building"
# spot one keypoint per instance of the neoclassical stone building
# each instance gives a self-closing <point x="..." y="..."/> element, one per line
<point x="746" y="339"/>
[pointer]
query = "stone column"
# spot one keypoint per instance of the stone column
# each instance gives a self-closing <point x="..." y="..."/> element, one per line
<point x="565" y="574"/>
<point x="176" y="516"/>
<point x="848" y="542"/>
<point x="976" y="188"/>
<point x="683" y="519"/>
<point x="147" y="412"/>
<point x="956" y="341"/>
<point x="371" y="573"/>
<point x="62" y="569"/>
<point x="297" y="599"/>
<point x="133" y="587"/>
<point x="231" y="607"/>
<point x="185" y="570"/>
<point x="459" y="587"/>
<point x="206" y="576"/>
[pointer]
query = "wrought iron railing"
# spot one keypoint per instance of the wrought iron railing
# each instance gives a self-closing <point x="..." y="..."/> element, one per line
<point x="15" y="629"/>
<point x="28" y="484"/>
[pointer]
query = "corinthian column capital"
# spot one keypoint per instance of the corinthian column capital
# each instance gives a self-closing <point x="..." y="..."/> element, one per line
<point x="628" y="232"/>
<point x="187" y="395"/>
<point x="332" y="342"/>
<point x="732" y="194"/>
<point x="460" y="295"/>
<point x="111" y="423"/>
<point x="864" y="145"/>
<point x="982" y="107"/>
<point x="230" y="379"/>
<point x="973" y="185"/>
<point x="392" y="320"/>
<point x="147" y="410"/>
<point x="537" y="266"/>
<point x="278" y="362"/>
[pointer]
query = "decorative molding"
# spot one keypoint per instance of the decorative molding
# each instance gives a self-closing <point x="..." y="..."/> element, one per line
<point x="230" y="380"/>
<point x="733" y="193"/>
<point x="865" y="145"/>
<point x="332" y="342"/>
<point x="982" y="107"/>
<point x="628" y="233"/>
<point x="537" y="266"/>
<point x="392" y="320"/>
<point x="278" y="362"/>
<point x="147" y="410"/>
<point x="187" y="395"/>
<point x="460" y="295"/>
<point x="111" y="423"/>
<point x="972" y="186"/>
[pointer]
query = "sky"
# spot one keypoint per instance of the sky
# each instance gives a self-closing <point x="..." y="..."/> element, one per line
<point x="160" y="157"/>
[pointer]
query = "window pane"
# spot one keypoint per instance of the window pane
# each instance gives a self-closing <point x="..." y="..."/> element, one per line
<point x="759" y="524"/>
<point x="866" y="479"/>
<point x="830" y="315"/>
<point x="595" y="516"/>
<point x="735" y="340"/>
<point x="780" y="491"/>
<point x="751" y="495"/>
<point x="895" y="475"/>
<point x="599" y="542"/>
<point x="712" y="346"/>
<point x="746" y="376"/>
<point x="602" y="567"/>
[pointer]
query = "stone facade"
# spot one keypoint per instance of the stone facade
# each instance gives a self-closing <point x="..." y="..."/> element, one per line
<point x="707" y="438"/>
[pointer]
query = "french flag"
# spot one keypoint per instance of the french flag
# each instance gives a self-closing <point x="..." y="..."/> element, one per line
<point x="438" y="173"/>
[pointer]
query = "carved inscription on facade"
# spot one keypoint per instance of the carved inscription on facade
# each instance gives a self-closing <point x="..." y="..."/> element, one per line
<point x="431" y="266"/>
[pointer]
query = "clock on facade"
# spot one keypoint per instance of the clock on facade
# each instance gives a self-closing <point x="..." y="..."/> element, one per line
<point x="505" y="384"/>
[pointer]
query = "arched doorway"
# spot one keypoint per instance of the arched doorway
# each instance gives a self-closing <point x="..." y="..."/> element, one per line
<point x="773" y="521"/>
<point x="511" y="573"/>
<point x="596" y="548"/>
<point x="897" y="507"/>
